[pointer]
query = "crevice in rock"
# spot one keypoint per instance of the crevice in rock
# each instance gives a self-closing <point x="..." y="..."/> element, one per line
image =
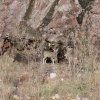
<point x="86" y="7"/>
<point x="61" y="52"/>
<point x="85" y="3"/>
<point x="80" y="17"/>
<point x="49" y="15"/>
<point x="29" y="10"/>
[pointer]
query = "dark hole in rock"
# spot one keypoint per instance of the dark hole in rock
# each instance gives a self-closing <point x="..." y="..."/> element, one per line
<point x="48" y="60"/>
<point x="84" y="3"/>
<point x="80" y="17"/>
<point x="60" y="54"/>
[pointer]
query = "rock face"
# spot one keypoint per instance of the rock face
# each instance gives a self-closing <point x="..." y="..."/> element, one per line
<point x="57" y="14"/>
<point x="53" y="18"/>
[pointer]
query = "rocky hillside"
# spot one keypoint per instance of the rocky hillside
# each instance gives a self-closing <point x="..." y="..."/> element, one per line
<point x="46" y="44"/>
<point x="50" y="18"/>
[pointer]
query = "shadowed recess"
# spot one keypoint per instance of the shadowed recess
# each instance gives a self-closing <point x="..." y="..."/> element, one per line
<point x="85" y="3"/>
<point x="80" y="17"/>
<point x="48" y="60"/>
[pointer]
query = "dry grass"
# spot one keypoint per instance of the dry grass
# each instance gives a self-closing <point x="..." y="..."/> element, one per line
<point x="22" y="82"/>
<point x="74" y="80"/>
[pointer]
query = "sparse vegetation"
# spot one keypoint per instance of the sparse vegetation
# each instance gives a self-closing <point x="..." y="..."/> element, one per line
<point x="20" y="81"/>
<point x="58" y="60"/>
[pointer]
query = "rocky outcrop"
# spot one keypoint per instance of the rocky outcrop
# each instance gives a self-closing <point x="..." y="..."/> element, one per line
<point x="52" y="19"/>
<point x="47" y="14"/>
